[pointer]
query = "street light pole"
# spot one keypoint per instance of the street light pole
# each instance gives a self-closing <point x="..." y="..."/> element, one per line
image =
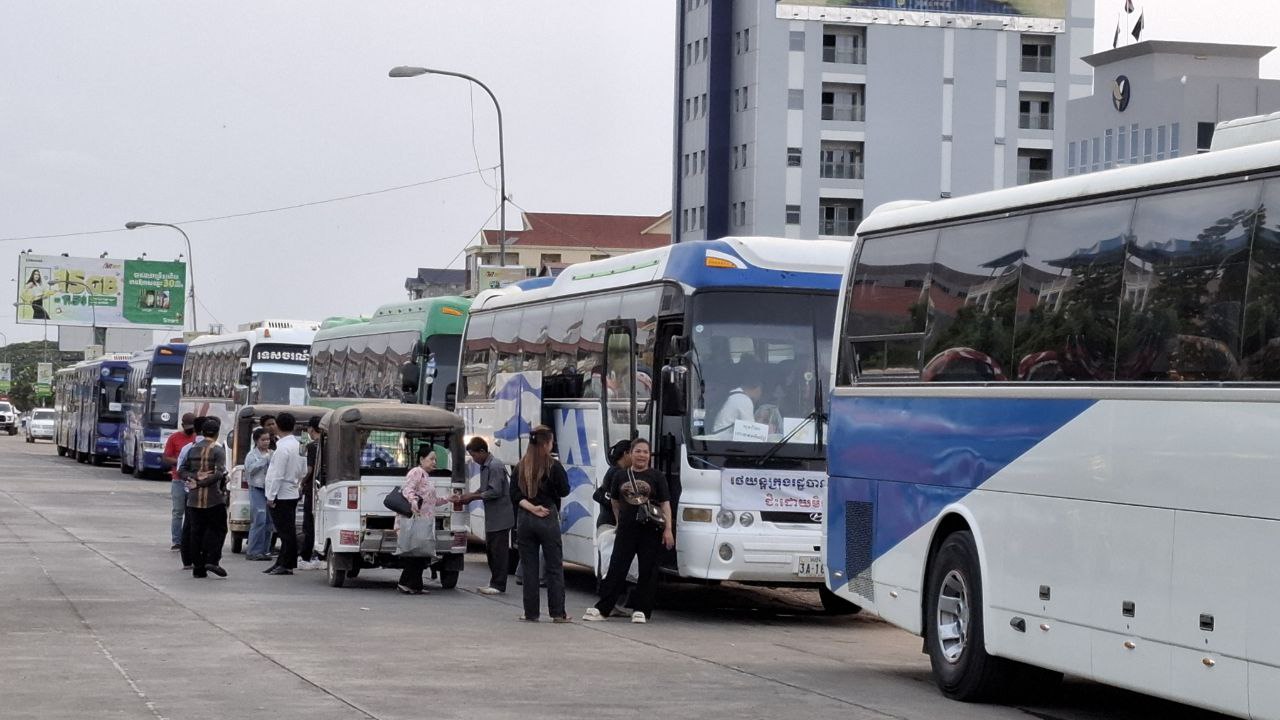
<point x="191" y="264"/>
<point x="411" y="71"/>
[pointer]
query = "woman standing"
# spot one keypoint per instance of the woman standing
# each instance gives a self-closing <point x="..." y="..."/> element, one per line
<point x="638" y="535"/>
<point x="539" y="484"/>
<point x="33" y="294"/>
<point x="420" y="490"/>
<point x="255" y="473"/>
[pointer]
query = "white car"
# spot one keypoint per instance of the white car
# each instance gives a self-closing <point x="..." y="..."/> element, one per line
<point x="8" y="417"/>
<point x="40" y="425"/>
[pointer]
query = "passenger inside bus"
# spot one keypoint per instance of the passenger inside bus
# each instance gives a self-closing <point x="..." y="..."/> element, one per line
<point x="740" y="405"/>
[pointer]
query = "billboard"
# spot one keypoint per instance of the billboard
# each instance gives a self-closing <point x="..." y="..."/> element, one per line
<point x="494" y="276"/>
<point x="101" y="292"/>
<point x="6" y="378"/>
<point x="44" y="379"/>
<point x="1022" y="8"/>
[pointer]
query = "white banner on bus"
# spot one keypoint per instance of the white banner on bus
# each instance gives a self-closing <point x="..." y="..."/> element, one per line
<point x="775" y="490"/>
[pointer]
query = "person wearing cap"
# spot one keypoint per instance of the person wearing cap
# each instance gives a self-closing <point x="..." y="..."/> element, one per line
<point x="204" y="470"/>
<point x="177" y="490"/>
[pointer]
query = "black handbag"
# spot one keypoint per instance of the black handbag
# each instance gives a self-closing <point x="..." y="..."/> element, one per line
<point x="398" y="503"/>
<point x="647" y="513"/>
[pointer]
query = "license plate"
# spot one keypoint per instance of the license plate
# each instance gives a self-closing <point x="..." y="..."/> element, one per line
<point x="810" y="566"/>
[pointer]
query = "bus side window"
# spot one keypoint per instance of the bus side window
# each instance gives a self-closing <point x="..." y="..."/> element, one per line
<point x="475" y="357"/>
<point x="560" y="378"/>
<point x="888" y="307"/>
<point x="599" y="311"/>
<point x="1261" y="341"/>
<point x="506" y="345"/>
<point x="533" y="337"/>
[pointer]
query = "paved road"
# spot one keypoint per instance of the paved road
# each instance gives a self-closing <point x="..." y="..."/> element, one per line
<point x="98" y="621"/>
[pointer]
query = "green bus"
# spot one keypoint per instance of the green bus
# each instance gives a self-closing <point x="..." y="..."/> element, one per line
<point x="406" y="352"/>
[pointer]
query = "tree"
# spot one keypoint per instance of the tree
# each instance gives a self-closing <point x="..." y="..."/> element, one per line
<point x="24" y="358"/>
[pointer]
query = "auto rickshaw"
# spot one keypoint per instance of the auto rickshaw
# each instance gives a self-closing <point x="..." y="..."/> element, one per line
<point x="241" y="442"/>
<point x="366" y="451"/>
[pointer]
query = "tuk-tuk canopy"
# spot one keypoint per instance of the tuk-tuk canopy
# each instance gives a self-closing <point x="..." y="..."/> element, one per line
<point x="348" y="429"/>
<point x="250" y="415"/>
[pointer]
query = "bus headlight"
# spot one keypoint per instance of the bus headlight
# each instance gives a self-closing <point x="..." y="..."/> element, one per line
<point x="725" y="518"/>
<point x="698" y="515"/>
<point x="746" y="519"/>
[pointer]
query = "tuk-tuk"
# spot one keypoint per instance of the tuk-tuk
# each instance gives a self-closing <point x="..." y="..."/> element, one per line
<point x="366" y="452"/>
<point x="241" y="442"/>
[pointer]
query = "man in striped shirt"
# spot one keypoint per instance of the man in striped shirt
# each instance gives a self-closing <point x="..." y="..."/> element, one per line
<point x="204" y="470"/>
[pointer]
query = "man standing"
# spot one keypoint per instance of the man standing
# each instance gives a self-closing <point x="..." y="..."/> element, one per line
<point x="177" y="490"/>
<point x="499" y="516"/>
<point x="283" y="476"/>
<point x="306" y="553"/>
<point x="204" y="470"/>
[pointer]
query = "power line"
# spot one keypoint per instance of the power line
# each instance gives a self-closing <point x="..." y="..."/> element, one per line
<point x="477" y="171"/>
<point x="477" y="232"/>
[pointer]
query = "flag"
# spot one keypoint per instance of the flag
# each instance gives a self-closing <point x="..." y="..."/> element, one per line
<point x="1115" y="41"/>
<point x="1137" y="28"/>
<point x="1128" y="6"/>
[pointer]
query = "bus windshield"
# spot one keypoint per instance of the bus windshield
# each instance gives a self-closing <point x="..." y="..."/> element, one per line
<point x="113" y="387"/>
<point x="759" y="364"/>
<point x="444" y="351"/>
<point x="164" y="404"/>
<point x="275" y="388"/>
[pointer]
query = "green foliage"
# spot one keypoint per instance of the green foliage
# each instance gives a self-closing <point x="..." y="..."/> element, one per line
<point x="23" y="357"/>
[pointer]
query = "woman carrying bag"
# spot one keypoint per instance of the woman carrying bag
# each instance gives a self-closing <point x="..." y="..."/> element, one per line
<point x="536" y="490"/>
<point x="420" y="490"/>
<point x="642" y="504"/>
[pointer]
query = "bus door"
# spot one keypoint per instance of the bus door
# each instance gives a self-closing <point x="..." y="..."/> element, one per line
<point x="618" y="391"/>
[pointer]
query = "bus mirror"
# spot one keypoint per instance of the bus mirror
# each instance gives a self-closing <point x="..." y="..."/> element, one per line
<point x="679" y="348"/>
<point x="246" y="376"/>
<point x="674" y="395"/>
<point x="409" y="377"/>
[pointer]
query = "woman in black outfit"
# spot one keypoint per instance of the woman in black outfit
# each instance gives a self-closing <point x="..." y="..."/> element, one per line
<point x="636" y="537"/>
<point x="540" y="481"/>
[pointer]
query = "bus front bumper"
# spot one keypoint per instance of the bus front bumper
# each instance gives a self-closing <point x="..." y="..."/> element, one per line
<point x="765" y="556"/>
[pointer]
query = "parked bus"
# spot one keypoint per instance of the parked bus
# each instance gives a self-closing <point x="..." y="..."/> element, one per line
<point x="90" y="405"/>
<point x="585" y="354"/>
<point x="151" y="408"/>
<point x="264" y="363"/>
<point x="407" y="351"/>
<point x="1053" y="431"/>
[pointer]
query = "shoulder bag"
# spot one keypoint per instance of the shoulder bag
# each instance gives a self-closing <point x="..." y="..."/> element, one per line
<point x="647" y="513"/>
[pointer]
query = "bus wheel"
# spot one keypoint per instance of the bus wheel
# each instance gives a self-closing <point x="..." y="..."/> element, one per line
<point x="125" y="468"/>
<point x="62" y="452"/>
<point x="833" y="604"/>
<point x="449" y="579"/>
<point x="97" y="459"/>
<point x="953" y="625"/>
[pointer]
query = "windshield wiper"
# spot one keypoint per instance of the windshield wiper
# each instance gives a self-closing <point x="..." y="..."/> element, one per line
<point x="773" y="449"/>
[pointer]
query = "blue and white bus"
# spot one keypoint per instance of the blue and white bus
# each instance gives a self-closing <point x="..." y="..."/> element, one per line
<point x="151" y="408"/>
<point x="658" y="344"/>
<point x="90" y="399"/>
<point x="1053" y="442"/>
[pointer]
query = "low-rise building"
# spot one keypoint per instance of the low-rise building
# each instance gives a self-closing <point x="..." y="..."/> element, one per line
<point x="436" y="282"/>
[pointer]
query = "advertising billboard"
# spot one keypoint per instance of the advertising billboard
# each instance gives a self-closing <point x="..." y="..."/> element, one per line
<point x="101" y="292"/>
<point x="1023" y="8"/>
<point x="6" y="378"/>
<point x="494" y="276"/>
<point x="44" y="379"/>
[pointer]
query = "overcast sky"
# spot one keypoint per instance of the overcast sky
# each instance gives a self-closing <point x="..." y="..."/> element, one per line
<point x="149" y="110"/>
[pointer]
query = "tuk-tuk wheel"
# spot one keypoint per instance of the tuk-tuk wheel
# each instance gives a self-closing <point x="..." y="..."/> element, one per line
<point x="237" y="543"/>
<point x="337" y="577"/>
<point x="449" y="579"/>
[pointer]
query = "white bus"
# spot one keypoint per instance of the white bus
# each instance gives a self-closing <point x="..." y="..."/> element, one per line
<point x="264" y="363"/>
<point x="1054" y="429"/>
<point x="585" y="354"/>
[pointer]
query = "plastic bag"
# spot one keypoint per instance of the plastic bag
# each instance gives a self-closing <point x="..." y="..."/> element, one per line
<point x="417" y="537"/>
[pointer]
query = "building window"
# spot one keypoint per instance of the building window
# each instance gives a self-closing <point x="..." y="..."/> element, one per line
<point x="1161" y="140"/>
<point x="843" y="102"/>
<point x="1084" y="155"/>
<point x="742" y="213"/>
<point x="793" y="214"/>
<point x="735" y="157"/>
<point x="702" y="217"/>
<point x="1035" y="166"/>
<point x="1121" y="149"/>
<point x="841" y="160"/>
<point x="746" y="98"/>
<point x="1133" y="143"/>
<point x="795" y="99"/>
<point x="1204" y="136"/>
<point x="1107" y="148"/>
<point x="1035" y="111"/>
<point x="737" y="99"/>
<point x="1097" y="154"/>
<point x="685" y="158"/>
<point x="1037" y="53"/>
<point x="839" y="216"/>
<point x="704" y="104"/>
<point x="1071" y="158"/>
<point x="688" y="105"/>
<point x="843" y="45"/>
<point x="737" y="43"/>
<point x="702" y="160"/>
<point x="793" y="157"/>
<point x="744" y="154"/>
<point x="746" y="40"/>
<point x="797" y="40"/>
<point x="550" y="258"/>
<point x="1147" y="145"/>
<point x="704" y="48"/>
<point x="1173" y="140"/>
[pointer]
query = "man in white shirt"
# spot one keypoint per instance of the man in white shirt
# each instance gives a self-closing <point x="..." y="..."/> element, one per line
<point x="741" y="403"/>
<point x="283" y="477"/>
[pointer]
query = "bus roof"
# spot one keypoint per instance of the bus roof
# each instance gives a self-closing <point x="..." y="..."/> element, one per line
<point x="173" y="350"/>
<point x="1205" y="166"/>
<point x="340" y="320"/>
<point x="288" y="332"/>
<point x="444" y="315"/>
<point x="742" y="262"/>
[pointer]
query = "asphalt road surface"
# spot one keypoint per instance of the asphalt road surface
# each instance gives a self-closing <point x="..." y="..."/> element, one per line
<point x="98" y="621"/>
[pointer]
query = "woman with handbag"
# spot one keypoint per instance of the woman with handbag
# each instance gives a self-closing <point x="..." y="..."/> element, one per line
<point x="536" y="490"/>
<point x="642" y="503"/>
<point x="420" y="490"/>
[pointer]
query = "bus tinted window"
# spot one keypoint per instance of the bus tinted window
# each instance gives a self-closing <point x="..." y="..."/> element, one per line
<point x="560" y="377"/>
<point x="1262" y="305"/>
<point x="888" y="306"/>
<point x="972" y="296"/>
<point x="1069" y="295"/>
<point x="598" y="311"/>
<point x="506" y="331"/>
<point x="475" y="357"/>
<point x="533" y="336"/>
<point x="1184" y="285"/>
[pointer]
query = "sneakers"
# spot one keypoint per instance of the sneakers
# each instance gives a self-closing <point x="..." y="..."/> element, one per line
<point x="562" y="620"/>
<point x="310" y="564"/>
<point x="175" y="547"/>
<point x="638" y="618"/>
<point x="592" y="615"/>
<point x="216" y="570"/>
<point x="488" y="591"/>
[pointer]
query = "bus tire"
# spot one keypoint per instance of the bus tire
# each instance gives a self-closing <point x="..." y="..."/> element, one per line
<point x="97" y="459"/>
<point x="62" y="452"/>
<point x="449" y="579"/>
<point x="953" y="625"/>
<point x="833" y="604"/>
<point x="125" y="467"/>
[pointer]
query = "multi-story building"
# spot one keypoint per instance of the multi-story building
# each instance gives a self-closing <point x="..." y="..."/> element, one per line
<point x="436" y="282"/>
<point x="795" y="117"/>
<point x="1158" y="99"/>
<point x="547" y="242"/>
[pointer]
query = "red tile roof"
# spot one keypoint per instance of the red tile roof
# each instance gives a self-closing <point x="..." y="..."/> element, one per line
<point x="585" y="231"/>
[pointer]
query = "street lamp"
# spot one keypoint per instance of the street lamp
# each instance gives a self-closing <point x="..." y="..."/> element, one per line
<point x="404" y="71"/>
<point x="191" y="265"/>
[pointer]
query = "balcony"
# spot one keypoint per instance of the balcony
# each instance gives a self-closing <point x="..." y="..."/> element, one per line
<point x="1026" y="177"/>
<point x="845" y="113"/>
<point x="839" y="228"/>
<point x="845" y="56"/>
<point x="1035" y="121"/>
<point x="842" y="170"/>
<point x="1032" y="64"/>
